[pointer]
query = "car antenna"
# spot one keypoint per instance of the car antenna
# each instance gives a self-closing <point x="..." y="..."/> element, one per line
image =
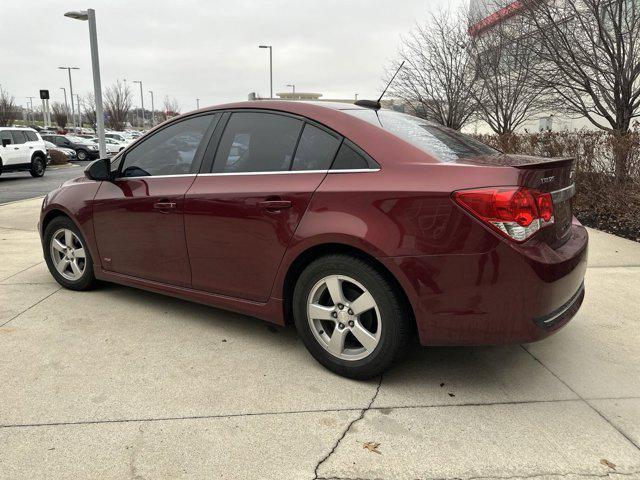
<point x="375" y="104"/>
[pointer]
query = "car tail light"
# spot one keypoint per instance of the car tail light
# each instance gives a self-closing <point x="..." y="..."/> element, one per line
<point x="515" y="212"/>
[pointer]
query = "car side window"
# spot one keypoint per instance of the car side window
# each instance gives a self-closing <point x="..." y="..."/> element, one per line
<point x="31" y="136"/>
<point x="18" y="136"/>
<point x="348" y="158"/>
<point x="257" y="142"/>
<point x="316" y="149"/>
<point x="171" y="151"/>
<point x="5" y="135"/>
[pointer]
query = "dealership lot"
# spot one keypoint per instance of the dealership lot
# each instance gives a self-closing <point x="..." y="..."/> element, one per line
<point x="120" y="383"/>
<point x="21" y="185"/>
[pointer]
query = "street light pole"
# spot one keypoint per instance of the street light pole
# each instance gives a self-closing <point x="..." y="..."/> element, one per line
<point x="292" y="85"/>
<point x="30" y="102"/>
<point x="79" y="111"/>
<point x="197" y="104"/>
<point x="270" y="68"/>
<point x="90" y="15"/>
<point x="153" y="115"/>
<point x="66" y="105"/>
<point x="141" y="100"/>
<point x="68" y="69"/>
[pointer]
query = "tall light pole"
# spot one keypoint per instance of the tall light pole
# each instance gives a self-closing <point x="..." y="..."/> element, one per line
<point x="79" y="111"/>
<point x="292" y="85"/>
<point x="30" y="102"/>
<point x="90" y="15"/>
<point x="153" y="115"/>
<point x="270" y="68"/>
<point x="197" y="104"/>
<point x="141" y="100"/>
<point x="66" y="105"/>
<point x="68" y="69"/>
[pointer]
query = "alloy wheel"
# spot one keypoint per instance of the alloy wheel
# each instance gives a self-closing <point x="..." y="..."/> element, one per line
<point x="68" y="254"/>
<point x="344" y="317"/>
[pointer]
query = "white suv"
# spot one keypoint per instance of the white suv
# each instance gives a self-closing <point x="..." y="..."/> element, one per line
<point x="22" y="149"/>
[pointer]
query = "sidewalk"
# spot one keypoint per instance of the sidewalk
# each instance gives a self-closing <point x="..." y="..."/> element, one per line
<point x="120" y="383"/>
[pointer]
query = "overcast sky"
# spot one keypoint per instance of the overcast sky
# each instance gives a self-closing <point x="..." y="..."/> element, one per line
<point x="208" y="49"/>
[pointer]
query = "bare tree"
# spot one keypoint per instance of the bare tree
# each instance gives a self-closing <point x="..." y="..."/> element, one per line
<point x="589" y="54"/>
<point x="507" y="91"/>
<point x="117" y="104"/>
<point x="8" y="109"/>
<point x="59" y="112"/>
<point x="171" y="107"/>
<point x="89" y="108"/>
<point x="436" y="81"/>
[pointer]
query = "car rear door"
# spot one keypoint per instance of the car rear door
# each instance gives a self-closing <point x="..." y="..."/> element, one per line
<point x="10" y="154"/>
<point x="20" y="147"/>
<point x="138" y="217"/>
<point x="241" y="214"/>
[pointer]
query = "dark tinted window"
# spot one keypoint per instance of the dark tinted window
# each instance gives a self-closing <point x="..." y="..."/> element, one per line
<point x="257" y="142"/>
<point x="18" y="136"/>
<point x="31" y="136"/>
<point x="5" y="135"/>
<point x="316" y="149"/>
<point x="348" y="158"/>
<point x="171" y="151"/>
<point x="441" y="142"/>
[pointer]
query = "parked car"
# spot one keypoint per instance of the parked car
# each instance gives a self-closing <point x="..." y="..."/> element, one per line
<point x="360" y="226"/>
<point x="113" y="146"/>
<point x="119" y="137"/>
<point x="85" y="150"/>
<point x="22" y="149"/>
<point x="69" y="152"/>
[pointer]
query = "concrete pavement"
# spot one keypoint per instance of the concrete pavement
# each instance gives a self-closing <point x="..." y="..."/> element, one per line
<point x="21" y="185"/>
<point x="119" y="383"/>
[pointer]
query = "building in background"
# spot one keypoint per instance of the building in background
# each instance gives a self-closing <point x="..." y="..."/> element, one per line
<point x="487" y="14"/>
<point x="392" y="104"/>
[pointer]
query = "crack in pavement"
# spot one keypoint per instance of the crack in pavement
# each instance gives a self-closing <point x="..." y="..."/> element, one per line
<point x="627" y="437"/>
<point x="21" y="271"/>
<point x="360" y="417"/>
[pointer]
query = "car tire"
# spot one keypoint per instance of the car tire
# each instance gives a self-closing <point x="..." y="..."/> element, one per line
<point x="38" y="166"/>
<point x="68" y="235"/>
<point x="82" y="155"/>
<point x="386" y="325"/>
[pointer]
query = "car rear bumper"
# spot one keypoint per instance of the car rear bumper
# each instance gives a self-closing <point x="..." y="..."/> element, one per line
<point x="510" y="294"/>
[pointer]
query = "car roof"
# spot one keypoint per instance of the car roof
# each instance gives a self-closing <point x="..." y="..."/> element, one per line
<point x="18" y="128"/>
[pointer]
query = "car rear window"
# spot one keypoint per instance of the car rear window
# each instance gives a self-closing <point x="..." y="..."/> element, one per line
<point x="31" y="136"/>
<point x="436" y="140"/>
<point x="18" y="136"/>
<point x="316" y="149"/>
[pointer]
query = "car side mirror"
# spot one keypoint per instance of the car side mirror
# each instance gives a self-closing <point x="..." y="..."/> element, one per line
<point x="5" y="142"/>
<point x="99" y="170"/>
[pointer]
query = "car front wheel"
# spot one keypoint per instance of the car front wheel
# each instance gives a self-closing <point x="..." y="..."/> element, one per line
<point x="67" y="255"/>
<point x="82" y="155"/>
<point x="351" y="318"/>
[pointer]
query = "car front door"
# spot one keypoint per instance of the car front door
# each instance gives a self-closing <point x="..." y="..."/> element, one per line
<point x="138" y="217"/>
<point x="240" y="217"/>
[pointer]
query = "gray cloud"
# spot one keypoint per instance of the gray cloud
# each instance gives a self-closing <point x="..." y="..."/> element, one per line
<point x="207" y="49"/>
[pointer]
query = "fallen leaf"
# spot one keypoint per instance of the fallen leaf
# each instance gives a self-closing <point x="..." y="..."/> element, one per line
<point x="607" y="463"/>
<point x="441" y="385"/>
<point x="372" y="447"/>
<point x="451" y="394"/>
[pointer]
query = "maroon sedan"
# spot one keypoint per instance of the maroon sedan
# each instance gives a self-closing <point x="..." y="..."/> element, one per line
<point x="360" y="226"/>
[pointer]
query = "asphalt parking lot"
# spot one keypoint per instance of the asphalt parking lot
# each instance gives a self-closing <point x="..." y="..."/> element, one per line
<point x="119" y="383"/>
<point x="21" y="185"/>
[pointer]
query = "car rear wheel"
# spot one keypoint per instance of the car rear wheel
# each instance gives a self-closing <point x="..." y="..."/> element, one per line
<point x="38" y="166"/>
<point x="82" y="155"/>
<point x="67" y="256"/>
<point x="350" y="317"/>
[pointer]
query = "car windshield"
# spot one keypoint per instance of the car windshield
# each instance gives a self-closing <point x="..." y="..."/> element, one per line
<point x="436" y="140"/>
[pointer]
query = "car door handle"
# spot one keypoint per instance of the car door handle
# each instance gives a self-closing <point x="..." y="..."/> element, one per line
<point x="165" y="207"/>
<point x="275" y="205"/>
<point x="31" y="148"/>
<point x="16" y="148"/>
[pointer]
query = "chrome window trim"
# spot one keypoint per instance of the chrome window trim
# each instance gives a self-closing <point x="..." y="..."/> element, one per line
<point x="288" y="172"/>
<point x="564" y="193"/>
<point x="278" y="172"/>
<point x="157" y="176"/>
